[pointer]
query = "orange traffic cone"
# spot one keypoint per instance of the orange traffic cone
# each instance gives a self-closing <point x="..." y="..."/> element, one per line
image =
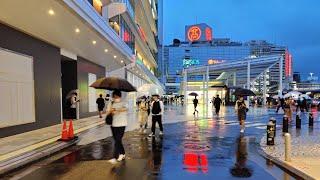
<point x="64" y="133"/>
<point x="70" y="132"/>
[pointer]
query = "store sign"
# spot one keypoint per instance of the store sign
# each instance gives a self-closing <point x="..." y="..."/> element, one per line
<point x="190" y="62"/>
<point x="198" y="32"/>
<point x="213" y="61"/>
<point x="194" y="33"/>
<point x="208" y="34"/>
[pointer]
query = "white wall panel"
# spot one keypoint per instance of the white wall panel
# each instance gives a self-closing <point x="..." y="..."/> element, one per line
<point x="17" y="104"/>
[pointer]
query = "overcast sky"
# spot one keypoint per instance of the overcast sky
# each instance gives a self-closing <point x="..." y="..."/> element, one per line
<point x="292" y="23"/>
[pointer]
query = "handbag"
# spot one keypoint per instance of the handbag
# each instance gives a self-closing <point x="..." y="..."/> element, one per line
<point x="109" y="117"/>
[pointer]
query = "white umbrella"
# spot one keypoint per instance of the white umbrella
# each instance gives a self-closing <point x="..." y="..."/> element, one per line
<point x="305" y="96"/>
<point x="293" y="94"/>
<point x="149" y="89"/>
<point x="276" y="96"/>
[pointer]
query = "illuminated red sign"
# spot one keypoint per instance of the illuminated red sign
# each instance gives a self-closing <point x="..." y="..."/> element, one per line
<point x="288" y="64"/>
<point x="208" y="34"/>
<point x="194" y="33"/>
<point x="126" y="36"/>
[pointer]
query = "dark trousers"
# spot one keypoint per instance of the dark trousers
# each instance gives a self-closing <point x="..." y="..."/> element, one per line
<point x="155" y="119"/>
<point x="117" y="134"/>
<point x="217" y="109"/>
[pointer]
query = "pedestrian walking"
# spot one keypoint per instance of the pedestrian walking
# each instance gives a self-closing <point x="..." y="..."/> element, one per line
<point x="195" y="104"/>
<point x="287" y="109"/>
<point x="101" y="104"/>
<point x="72" y="106"/>
<point x="299" y="104"/>
<point x="157" y="109"/>
<point x="241" y="110"/>
<point x="212" y="101"/>
<point x="217" y="103"/>
<point x="118" y="109"/>
<point x="143" y="114"/>
<point x="107" y="98"/>
<point x="280" y="104"/>
<point x="305" y="104"/>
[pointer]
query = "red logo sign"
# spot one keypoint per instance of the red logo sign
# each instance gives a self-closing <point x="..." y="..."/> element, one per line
<point x="208" y="34"/>
<point x="194" y="33"/>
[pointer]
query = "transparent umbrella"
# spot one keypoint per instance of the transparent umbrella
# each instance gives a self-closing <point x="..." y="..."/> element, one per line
<point x="149" y="90"/>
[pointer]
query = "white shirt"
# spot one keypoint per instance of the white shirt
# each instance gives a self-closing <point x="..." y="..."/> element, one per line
<point x="161" y="107"/>
<point x="74" y="100"/>
<point x="119" y="118"/>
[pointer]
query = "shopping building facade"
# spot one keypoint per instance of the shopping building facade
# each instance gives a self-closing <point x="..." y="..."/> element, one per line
<point x="50" y="47"/>
<point x="200" y="47"/>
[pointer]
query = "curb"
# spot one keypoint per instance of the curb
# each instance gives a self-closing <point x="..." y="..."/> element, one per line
<point x="29" y="157"/>
<point x="50" y="147"/>
<point x="285" y="165"/>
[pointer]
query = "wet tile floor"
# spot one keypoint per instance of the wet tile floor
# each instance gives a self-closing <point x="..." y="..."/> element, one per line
<point x="199" y="148"/>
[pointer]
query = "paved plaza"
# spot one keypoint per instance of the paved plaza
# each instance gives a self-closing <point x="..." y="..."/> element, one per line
<point x="203" y="147"/>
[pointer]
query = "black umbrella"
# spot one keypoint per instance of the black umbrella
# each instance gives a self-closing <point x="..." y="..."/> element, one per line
<point x="243" y="92"/>
<point x="113" y="83"/>
<point x="193" y="94"/>
<point x="71" y="93"/>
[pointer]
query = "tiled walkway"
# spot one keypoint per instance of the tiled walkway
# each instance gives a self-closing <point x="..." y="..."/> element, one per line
<point x="305" y="148"/>
<point x="18" y="144"/>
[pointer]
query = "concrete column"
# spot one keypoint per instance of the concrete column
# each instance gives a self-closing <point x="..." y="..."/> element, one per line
<point x="248" y="74"/>
<point x="264" y="88"/>
<point x="280" y="74"/>
<point x="234" y="78"/>
<point x="203" y="87"/>
<point x="185" y="86"/>
<point x="207" y="81"/>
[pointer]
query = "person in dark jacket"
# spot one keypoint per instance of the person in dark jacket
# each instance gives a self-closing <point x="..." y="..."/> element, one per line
<point x="157" y="109"/>
<point x="101" y="104"/>
<point x="217" y="103"/>
<point x="195" y="104"/>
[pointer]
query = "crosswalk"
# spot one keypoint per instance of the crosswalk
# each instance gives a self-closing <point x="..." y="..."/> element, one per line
<point x="257" y="125"/>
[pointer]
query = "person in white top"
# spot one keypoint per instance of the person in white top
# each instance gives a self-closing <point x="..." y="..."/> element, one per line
<point x="118" y="109"/>
<point x="157" y="109"/>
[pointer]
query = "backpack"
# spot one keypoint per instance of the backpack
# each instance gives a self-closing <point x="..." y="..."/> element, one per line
<point x="156" y="109"/>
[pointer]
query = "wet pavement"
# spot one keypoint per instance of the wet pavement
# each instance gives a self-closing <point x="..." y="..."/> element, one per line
<point x="201" y="147"/>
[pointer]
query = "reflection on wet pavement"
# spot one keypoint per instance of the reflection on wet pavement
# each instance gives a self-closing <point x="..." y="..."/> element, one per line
<point x="203" y="148"/>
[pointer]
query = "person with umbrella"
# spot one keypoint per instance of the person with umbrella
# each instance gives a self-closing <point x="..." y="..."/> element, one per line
<point x="241" y="110"/>
<point x="241" y="107"/>
<point x="71" y="105"/>
<point x="157" y="109"/>
<point x="217" y="103"/>
<point x="195" y="104"/>
<point x="117" y="109"/>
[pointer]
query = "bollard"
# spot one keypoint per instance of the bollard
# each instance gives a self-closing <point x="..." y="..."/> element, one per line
<point x="287" y="150"/>
<point x="270" y="133"/>
<point x="274" y="121"/>
<point x="285" y="124"/>
<point x="298" y="121"/>
<point x="310" y="119"/>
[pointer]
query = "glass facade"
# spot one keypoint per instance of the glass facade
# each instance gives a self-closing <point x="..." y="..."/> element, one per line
<point x="178" y="58"/>
<point x="122" y="29"/>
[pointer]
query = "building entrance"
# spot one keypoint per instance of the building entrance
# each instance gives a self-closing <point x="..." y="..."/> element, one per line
<point x="69" y="80"/>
